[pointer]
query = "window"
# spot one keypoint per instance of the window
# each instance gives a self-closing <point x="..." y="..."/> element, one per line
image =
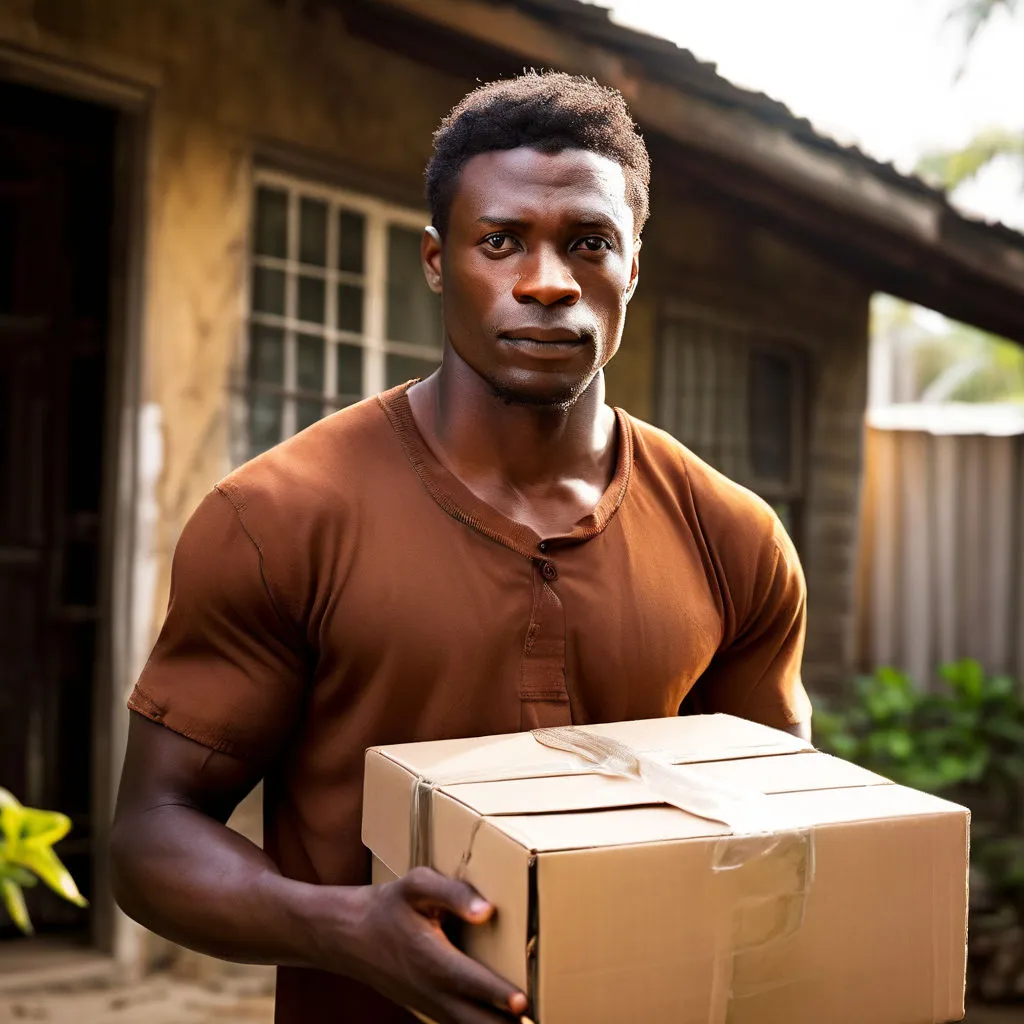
<point x="736" y="398"/>
<point x="338" y="306"/>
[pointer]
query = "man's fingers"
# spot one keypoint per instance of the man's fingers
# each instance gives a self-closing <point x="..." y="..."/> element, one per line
<point x="427" y="890"/>
<point x="465" y="978"/>
<point x="468" y="1013"/>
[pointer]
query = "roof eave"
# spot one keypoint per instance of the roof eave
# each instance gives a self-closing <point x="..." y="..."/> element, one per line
<point x="950" y="253"/>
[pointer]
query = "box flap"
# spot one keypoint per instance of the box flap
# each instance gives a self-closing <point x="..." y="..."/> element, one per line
<point x="542" y="833"/>
<point x="781" y="773"/>
<point x="686" y="740"/>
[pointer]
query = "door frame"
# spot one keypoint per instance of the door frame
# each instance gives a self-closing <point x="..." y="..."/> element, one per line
<point x="128" y="460"/>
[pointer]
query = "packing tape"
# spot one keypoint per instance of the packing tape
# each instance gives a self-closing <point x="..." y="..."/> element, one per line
<point x="762" y="874"/>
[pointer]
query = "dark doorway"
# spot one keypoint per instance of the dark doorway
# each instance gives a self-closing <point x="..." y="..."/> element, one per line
<point x="56" y="202"/>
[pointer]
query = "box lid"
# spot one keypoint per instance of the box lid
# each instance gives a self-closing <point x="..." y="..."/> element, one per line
<point x="523" y="786"/>
<point x="632" y="825"/>
<point x="685" y="740"/>
<point x="778" y="773"/>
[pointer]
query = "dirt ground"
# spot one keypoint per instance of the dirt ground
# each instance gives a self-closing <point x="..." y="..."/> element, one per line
<point x="163" y="999"/>
<point x="160" y="999"/>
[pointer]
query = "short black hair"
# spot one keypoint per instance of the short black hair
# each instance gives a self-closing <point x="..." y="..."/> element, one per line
<point x="546" y="110"/>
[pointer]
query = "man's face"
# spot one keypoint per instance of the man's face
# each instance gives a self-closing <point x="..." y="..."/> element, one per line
<point x="536" y="267"/>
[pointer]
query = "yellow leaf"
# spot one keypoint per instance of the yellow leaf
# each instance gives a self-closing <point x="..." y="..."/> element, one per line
<point x="14" y="901"/>
<point x="44" y="827"/>
<point x="29" y="835"/>
<point x="42" y="861"/>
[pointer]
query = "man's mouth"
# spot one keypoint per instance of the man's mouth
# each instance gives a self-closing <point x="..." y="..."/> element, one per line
<point x="543" y="335"/>
<point x="544" y="342"/>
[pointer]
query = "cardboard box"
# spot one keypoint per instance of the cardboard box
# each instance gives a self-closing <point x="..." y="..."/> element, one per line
<point x="614" y="907"/>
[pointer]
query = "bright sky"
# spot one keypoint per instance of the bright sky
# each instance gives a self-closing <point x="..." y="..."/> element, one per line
<point x="879" y="73"/>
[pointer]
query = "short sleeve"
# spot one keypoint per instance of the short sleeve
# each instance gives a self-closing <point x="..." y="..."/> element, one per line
<point x="227" y="669"/>
<point x="756" y="674"/>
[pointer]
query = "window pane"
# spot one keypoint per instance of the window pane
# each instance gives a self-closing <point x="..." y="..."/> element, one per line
<point x="351" y="232"/>
<point x="307" y="413"/>
<point x="310" y="371"/>
<point x="350" y="374"/>
<point x="399" y="369"/>
<point x="772" y="408"/>
<point x="268" y="290"/>
<point x="270" y="236"/>
<point x="312" y="299"/>
<point x="264" y="422"/>
<point x="266" y="354"/>
<point x="313" y="232"/>
<point x="414" y="311"/>
<point x="350" y="308"/>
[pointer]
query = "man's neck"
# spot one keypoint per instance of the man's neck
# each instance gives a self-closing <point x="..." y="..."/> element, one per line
<point x="482" y="437"/>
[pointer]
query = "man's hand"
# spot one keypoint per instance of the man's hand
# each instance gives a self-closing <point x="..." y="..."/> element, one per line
<point x="396" y="944"/>
<point x="178" y="870"/>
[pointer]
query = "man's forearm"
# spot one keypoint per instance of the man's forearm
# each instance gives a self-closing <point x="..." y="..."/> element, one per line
<point x="193" y="880"/>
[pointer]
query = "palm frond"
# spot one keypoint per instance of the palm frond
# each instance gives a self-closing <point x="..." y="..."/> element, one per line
<point x="950" y="168"/>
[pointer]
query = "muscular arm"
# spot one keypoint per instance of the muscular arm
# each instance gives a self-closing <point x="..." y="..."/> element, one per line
<point x="802" y="730"/>
<point x="179" y="870"/>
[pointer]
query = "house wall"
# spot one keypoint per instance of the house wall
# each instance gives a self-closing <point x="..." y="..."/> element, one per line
<point x="716" y="256"/>
<point x="235" y="81"/>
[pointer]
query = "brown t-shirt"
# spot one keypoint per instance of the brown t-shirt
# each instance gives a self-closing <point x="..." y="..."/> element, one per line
<point x="345" y="590"/>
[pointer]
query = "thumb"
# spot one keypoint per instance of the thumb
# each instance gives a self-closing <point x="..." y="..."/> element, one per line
<point x="429" y="891"/>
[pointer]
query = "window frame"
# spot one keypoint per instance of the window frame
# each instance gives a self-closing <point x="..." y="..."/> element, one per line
<point x="746" y="337"/>
<point x="379" y="216"/>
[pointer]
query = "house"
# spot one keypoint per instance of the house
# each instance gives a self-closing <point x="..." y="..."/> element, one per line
<point x="210" y="220"/>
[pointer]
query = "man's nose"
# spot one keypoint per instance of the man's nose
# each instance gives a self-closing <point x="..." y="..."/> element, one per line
<point x="545" y="278"/>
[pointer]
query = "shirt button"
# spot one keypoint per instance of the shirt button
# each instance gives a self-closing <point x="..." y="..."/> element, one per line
<point x="548" y="571"/>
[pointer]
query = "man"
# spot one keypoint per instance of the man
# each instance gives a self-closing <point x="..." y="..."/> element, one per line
<point x="488" y="550"/>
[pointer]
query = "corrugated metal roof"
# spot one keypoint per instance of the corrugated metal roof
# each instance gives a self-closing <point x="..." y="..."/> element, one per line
<point x="664" y="60"/>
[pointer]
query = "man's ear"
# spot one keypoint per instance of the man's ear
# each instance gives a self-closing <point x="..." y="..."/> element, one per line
<point x="430" y="254"/>
<point x="634" y="270"/>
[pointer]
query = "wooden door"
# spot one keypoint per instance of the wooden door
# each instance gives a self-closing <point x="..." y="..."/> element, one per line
<point x="56" y="174"/>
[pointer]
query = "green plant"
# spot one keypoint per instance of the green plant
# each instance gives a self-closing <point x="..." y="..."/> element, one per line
<point x="27" y="836"/>
<point x="965" y="741"/>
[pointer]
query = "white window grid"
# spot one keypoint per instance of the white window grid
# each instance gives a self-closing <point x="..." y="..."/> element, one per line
<point x="379" y="216"/>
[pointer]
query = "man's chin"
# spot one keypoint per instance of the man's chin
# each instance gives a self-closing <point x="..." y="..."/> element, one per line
<point x="549" y="395"/>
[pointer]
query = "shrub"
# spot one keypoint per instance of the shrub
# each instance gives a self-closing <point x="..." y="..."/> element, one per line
<point x="964" y="741"/>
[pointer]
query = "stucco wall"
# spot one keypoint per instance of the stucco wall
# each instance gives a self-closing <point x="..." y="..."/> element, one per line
<point x="712" y="254"/>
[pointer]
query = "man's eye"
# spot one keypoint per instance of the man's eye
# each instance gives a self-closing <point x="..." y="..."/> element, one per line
<point x="498" y="241"/>
<point x="593" y="243"/>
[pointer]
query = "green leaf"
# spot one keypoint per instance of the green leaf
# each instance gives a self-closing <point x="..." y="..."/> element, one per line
<point x="14" y="902"/>
<point x="20" y="876"/>
<point x="951" y="168"/>
<point x="900" y="745"/>
<point x="975" y="14"/>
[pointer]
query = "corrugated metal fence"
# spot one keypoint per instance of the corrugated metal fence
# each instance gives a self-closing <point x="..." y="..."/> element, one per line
<point x="942" y="549"/>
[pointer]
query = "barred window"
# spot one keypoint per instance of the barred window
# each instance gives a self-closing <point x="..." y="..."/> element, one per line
<point x="736" y="398"/>
<point x="338" y="306"/>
